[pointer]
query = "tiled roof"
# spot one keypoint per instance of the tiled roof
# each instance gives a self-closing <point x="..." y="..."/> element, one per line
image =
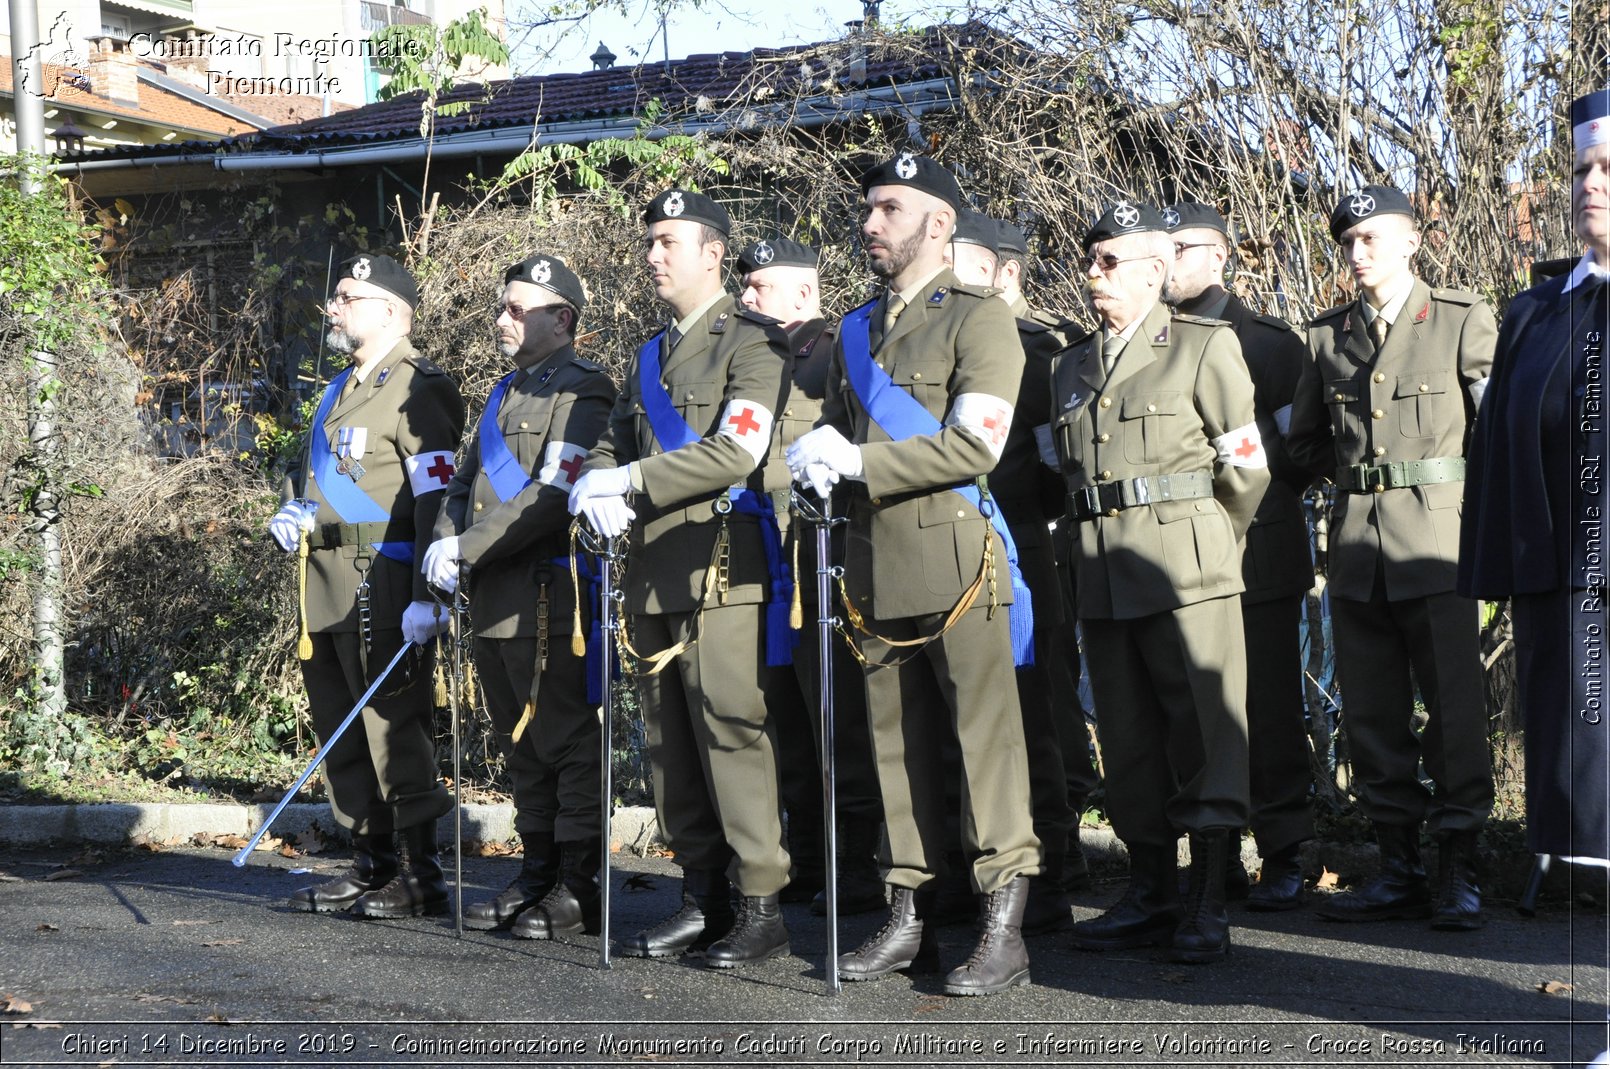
<point x="284" y="110"/>
<point x="712" y="82"/>
<point x="157" y="106"/>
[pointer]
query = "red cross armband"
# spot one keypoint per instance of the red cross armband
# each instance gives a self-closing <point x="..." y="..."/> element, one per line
<point x="985" y="416"/>
<point x="1242" y="448"/>
<point x="429" y="472"/>
<point x="749" y="424"/>
<point x="561" y="464"/>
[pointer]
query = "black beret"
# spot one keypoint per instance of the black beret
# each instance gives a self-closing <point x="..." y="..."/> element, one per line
<point x="551" y="274"/>
<point x="684" y="204"/>
<point x="975" y="228"/>
<point x="1125" y="217"/>
<point x="776" y="252"/>
<point x="1194" y="215"/>
<point x="919" y="172"/>
<point x="1589" y="115"/>
<point x="1367" y="203"/>
<point x="384" y="272"/>
<point x="1009" y="240"/>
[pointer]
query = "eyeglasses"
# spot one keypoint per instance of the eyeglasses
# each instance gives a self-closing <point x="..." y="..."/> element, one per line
<point x="517" y="312"/>
<point x="341" y="300"/>
<point x="1107" y="261"/>
<point x="1181" y="246"/>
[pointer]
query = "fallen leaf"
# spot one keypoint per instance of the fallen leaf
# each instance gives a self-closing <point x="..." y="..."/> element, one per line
<point x="13" y="1004"/>
<point x="223" y="942"/>
<point x="150" y="846"/>
<point x="164" y="998"/>
<point x="47" y="928"/>
<point x="190" y="923"/>
<point x="287" y="850"/>
<point x="1327" y="879"/>
<point x="62" y="874"/>
<point x="1554" y="987"/>
<point x="930" y="1004"/>
<point x="219" y="1017"/>
<point x="229" y="842"/>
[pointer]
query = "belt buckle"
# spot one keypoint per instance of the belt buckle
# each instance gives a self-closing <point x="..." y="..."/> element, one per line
<point x="1086" y="501"/>
<point x="330" y="535"/>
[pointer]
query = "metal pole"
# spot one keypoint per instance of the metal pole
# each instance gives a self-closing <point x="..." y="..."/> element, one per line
<point x="826" y="622"/>
<point x="454" y="702"/>
<point x="318" y="758"/>
<point x="608" y="609"/>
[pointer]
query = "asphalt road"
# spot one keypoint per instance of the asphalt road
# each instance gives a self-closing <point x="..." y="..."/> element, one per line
<point x="177" y="958"/>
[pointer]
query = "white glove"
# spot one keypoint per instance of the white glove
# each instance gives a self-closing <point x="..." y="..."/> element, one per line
<point x="826" y="446"/>
<point x="821" y="478"/>
<point x="423" y="621"/>
<point x="609" y="516"/>
<point x="288" y="524"/>
<point x="601" y="482"/>
<point x="441" y="563"/>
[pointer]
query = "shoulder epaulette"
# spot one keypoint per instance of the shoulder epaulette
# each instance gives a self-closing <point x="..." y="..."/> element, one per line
<point x="1203" y="321"/>
<point x="1080" y="339"/>
<point x="757" y="317"/>
<point x="1464" y="297"/>
<point x="1052" y="320"/>
<point x="423" y="364"/>
<point x="1274" y="321"/>
<point x="975" y="291"/>
<point x="1032" y="326"/>
<point x="587" y="365"/>
<point x="1331" y="313"/>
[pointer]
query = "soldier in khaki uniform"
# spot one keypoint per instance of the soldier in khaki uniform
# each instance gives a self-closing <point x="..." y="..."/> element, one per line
<point x="377" y="460"/>
<point x="918" y="408"/>
<point x="1165" y="466"/>
<point x="780" y="280"/>
<point x="1276" y="565"/>
<point x="704" y="583"/>
<point x="1385" y="409"/>
<point x="1043" y="335"/>
<point x="505" y="519"/>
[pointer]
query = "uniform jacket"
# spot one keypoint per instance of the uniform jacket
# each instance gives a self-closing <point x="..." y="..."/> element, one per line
<point x="812" y="346"/>
<point x="913" y="547"/>
<point x="405" y="406"/>
<point x="1517" y="538"/>
<point x="1411" y="401"/>
<point x="511" y="545"/>
<point x="1179" y="384"/>
<point x="730" y="354"/>
<point x="1276" y="561"/>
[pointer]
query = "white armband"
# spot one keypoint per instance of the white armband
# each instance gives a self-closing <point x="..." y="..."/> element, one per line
<point x="985" y="416"/>
<point x="1242" y="448"/>
<point x="429" y="472"/>
<point x="749" y="424"/>
<point x="561" y="463"/>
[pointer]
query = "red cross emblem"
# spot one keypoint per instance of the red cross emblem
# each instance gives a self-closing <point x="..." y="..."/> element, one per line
<point x="441" y="469"/>
<point x="1246" y="448"/>
<point x="997" y="426"/>
<point x="572" y="467"/>
<point x="744" y="421"/>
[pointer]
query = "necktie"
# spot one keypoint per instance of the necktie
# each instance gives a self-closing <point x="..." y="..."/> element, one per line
<point x="672" y="336"/>
<point x="893" y="305"/>
<point x="1378" y="330"/>
<point x="1110" y="349"/>
<point x="351" y="386"/>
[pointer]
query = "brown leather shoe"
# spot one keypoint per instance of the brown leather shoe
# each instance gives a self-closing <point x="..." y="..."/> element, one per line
<point x="905" y="941"/>
<point x="999" y="960"/>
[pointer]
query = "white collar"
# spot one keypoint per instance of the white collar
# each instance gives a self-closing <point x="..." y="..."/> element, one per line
<point x="1585" y="268"/>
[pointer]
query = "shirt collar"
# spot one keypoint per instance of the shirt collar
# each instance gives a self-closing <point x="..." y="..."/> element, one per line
<point x="1394" y="304"/>
<point x="687" y="322"/>
<point x="1586" y="268"/>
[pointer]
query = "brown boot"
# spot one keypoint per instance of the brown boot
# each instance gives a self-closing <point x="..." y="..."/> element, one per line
<point x="374" y="863"/>
<point x="906" y="940"/>
<point x="999" y="960"/>
<point x="419" y="889"/>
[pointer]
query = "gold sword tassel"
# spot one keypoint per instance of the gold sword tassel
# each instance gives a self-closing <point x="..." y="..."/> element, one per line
<point x="304" y="641"/>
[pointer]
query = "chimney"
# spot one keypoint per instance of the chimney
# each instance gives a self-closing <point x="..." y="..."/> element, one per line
<point x="187" y="57"/>
<point x="869" y="13"/>
<point x="113" y="73"/>
<point x="603" y="59"/>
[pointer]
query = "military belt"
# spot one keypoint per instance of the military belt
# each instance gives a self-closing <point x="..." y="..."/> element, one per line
<point x="1378" y="478"/>
<point x="1111" y="498"/>
<point x="336" y="535"/>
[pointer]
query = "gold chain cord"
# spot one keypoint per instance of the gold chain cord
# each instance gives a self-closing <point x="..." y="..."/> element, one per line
<point x="984" y="578"/>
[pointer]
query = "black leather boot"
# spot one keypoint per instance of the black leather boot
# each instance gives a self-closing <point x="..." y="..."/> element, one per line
<point x="536" y="878"/>
<point x="374" y="863"/>
<point x="705" y="916"/>
<point x="1203" y="934"/>
<point x="756" y="934"/>
<point x="1398" y="891"/>
<point x="906" y="940"/>
<point x="571" y="905"/>
<point x="419" y="889"/>
<point x="808" y="872"/>
<point x="1280" y="884"/>
<point x="999" y="960"/>
<point x="861" y="888"/>
<point x="1458" y="891"/>
<point x="1048" y="908"/>
<point x="1149" y="910"/>
<point x="1237" y="884"/>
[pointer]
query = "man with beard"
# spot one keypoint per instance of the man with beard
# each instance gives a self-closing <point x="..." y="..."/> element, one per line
<point x="919" y="403"/>
<point x="1275" y="565"/>
<point x="704" y="584"/>
<point x="1384" y="408"/>
<point x="505" y="518"/>
<point x="1165" y="466"/>
<point x="378" y="457"/>
<point x="780" y="280"/>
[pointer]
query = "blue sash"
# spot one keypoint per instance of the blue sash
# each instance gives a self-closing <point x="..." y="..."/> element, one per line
<point x="500" y="466"/>
<point x="902" y="416"/>
<point x="351" y="504"/>
<point x="595" y="632"/>
<point x="673" y="432"/>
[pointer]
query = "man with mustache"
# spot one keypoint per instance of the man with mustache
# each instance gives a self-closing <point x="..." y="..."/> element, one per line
<point x="919" y="402"/>
<point x="1385" y="409"/>
<point x="505" y="519"/>
<point x="379" y="455"/>
<point x="1154" y="429"/>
